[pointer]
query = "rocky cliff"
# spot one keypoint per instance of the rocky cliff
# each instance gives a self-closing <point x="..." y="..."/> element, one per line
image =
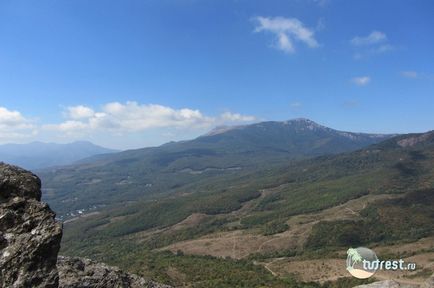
<point x="30" y="241"/>
<point x="29" y="235"/>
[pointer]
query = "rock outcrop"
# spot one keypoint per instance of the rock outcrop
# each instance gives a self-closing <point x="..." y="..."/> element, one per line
<point x="77" y="273"/>
<point x="393" y="284"/>
<point x="382" y="284"/>
<point x="429" y="283"/>
<point x="30" y="241"/>
<point x="29" y="235"/>
<point x="17" y="182"/>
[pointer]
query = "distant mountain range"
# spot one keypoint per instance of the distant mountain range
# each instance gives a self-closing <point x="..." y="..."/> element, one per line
<point x="37" y="155"/>
<point x="134" y="174"/>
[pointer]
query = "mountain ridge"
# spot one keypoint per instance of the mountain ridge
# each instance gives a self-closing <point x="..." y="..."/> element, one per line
<point x="128" y="175"/>
<point x="309" y="124"/>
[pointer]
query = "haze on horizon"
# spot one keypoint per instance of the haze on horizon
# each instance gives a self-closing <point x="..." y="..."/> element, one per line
<point x="130" y="74"/>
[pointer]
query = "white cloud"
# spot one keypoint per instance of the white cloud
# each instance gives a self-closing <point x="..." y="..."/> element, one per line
<point x="123" y="118"/>
<point x="10" y="118"/>
<point x="361" y="81"/>
<point x="79" y="112"/>
<point x="115" y="124"/>
<point x="13" y="125"/>
<point x="236" y="117"/>
<point x="374" y="43"/>
<point x="374" y="38"/>
<point x="69" y="126"/>
<point x="286" y="31"/>
<point x="409" y="74"/>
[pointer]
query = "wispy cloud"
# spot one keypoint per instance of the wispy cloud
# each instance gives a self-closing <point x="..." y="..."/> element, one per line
<point x="409" y="74"/>
<point x="130" y="117"/>
<point x="321" y="3"/>
<point x="13" y="125"/>
<point x="286" y="31"/>
<point x="351" y="104"/>
<point x="374" y="43"/>
<point x="361" y="81"/>
<point x="374" y="38"/>
<point x="320" y="25"/>
<point x="295" y="105"/>
<point x="383" y="48"/>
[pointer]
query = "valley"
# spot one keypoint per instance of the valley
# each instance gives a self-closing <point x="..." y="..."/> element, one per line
<point x="274" y="224"/>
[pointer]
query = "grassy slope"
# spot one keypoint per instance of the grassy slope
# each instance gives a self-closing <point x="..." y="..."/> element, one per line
<point x="404" y="219"/>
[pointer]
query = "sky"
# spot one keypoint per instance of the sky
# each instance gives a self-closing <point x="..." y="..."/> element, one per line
<point x="129" y="74"/>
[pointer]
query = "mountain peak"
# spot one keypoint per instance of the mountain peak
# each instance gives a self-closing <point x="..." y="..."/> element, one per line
<point x="301" y="119"/>
<point x="297" y="125"/>
<point x="305" y="122"/>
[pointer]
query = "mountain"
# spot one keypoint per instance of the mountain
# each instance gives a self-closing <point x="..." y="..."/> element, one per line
<point x="135" y="174"/>
<point x="38" y="155"/>
<point x="299" y="138"/>
<point x="295" y="219"/>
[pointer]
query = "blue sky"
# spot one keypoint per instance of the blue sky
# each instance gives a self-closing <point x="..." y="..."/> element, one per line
<point x="130" y="74"/>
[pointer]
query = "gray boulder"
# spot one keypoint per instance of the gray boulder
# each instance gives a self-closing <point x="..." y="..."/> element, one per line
<point x="428" y="283"/>
<point x="29" y="235"/>
<point x="17" y="182"/>
<point x="393" y="284"/>
<point x="381" y="284"/>
<point x="79" y="273"/>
